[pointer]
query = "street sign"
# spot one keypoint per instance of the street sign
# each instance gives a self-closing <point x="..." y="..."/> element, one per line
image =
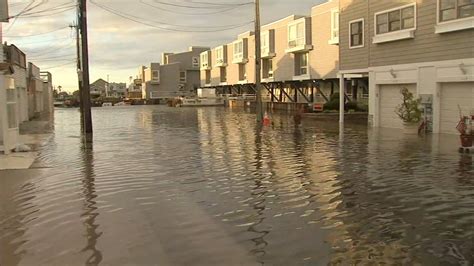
<point x="3" y="11"/>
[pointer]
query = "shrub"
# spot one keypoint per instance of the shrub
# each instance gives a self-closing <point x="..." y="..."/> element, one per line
<point x="408" y="110"/>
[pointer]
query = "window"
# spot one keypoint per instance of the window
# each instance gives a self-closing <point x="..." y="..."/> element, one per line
<point x="205" y="59"/>
<point x="220" y="55"/>
<point x="395" y="20"/>
<point x="242" y="72"/>
<point x="267" y="68"/>
<point x="356" y="38"/>
<point x="208" y="77"/>
<point x="239" y="50"/>
<point x="265" y="42"/>
<point x="296" y="34"/>
<point x="11" y="108"/>
<point x="301" y="64"/>
<point x="156" y="75"/>
<point x="335" y="26"/>
<point x="455" y="9"/>
<point x="182" y="76"/>
<point x="223" y="74"/>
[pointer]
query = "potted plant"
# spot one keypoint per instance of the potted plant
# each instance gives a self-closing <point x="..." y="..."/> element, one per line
<point x="409" y="111"/>
<point x="465" y="129"/>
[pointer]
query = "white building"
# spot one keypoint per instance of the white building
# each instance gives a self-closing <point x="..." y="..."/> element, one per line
<point x="9" y="131"/>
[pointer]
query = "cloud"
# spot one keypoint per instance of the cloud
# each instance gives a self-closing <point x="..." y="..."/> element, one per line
<point x="118" y="46"/>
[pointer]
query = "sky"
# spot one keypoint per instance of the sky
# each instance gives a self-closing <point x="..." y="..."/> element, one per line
<point x="125" y="34"/>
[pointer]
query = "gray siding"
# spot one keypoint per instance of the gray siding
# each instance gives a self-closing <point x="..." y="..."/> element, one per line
<point x="353" y="58"/>
<point x="427" y="46"/>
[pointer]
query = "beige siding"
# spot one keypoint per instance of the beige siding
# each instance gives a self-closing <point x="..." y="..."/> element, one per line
<point x="215" y="71"/>
<point x="283" y="63"/>
<point x="251" y="64"/>
<point x="324" y="58"/>
<point x="232" y="69"/>
<point x="353" y="58"/>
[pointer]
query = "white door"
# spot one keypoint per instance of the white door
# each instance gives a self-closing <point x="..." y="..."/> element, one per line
<point x="390" y="97"/>
<point x="453" y="95"/>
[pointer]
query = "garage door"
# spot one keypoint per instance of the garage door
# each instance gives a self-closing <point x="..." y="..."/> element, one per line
<point x="452" y="95"/>
<point x="390" y="98"/>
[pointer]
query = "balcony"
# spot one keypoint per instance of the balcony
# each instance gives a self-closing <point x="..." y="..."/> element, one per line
<point x="298" y="46"/>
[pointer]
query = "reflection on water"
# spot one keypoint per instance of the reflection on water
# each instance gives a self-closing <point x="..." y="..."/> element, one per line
<point x="203" y="186"/>
<point x="90" y="205"/>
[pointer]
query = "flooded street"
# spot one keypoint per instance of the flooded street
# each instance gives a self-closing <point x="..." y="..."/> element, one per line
<point x="163" y="186"/>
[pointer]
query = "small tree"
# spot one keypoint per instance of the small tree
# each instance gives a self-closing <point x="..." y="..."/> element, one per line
<point x="408" y="110"/>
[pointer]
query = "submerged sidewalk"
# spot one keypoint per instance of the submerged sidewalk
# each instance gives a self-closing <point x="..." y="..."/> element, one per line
<point x="34" y="134"/>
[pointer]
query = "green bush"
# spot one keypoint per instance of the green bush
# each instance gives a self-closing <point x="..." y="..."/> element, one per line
<point x="333" y="104"/>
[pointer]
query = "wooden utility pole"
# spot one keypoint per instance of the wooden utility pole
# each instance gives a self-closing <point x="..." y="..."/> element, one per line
<point x="258" y="64"/>
<point x="79" y="74"/>
<point x="86" y="92"/>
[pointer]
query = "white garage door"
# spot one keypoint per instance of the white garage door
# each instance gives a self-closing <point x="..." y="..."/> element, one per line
<point x="390" y="98"/>
<point x="454" y="95"/>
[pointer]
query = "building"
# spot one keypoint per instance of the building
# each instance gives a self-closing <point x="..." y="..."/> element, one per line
<point x="117" y="90"/>
<point x="425" y="46"/>
<point x="35" y="91"/>
<point x="17" y="60"/>
<point x="300" y="59"/>
<point x="177" y="75"/>
<point x="99" y="88"/>
<point x="48" y="101"/>
<point x="9" y="128"/>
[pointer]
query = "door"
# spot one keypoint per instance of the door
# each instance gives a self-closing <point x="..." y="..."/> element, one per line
<point x="390" y="98"/>
<point x="454" y="96"/>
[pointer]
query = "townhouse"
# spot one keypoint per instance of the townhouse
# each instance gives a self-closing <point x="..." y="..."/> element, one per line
<point x="425" y="46"/>
<point x="177" y="75"/>
<point x="300" y="59"/>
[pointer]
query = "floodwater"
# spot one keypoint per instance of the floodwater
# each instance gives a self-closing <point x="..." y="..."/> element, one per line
<point x="163" y="186"/>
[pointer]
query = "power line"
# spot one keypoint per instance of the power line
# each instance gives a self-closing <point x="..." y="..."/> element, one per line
<point x="61" y="65"/>
<point x="110" y="9"/>
<point x="189" y="14"/>
<point x="136" y="19"/>
<point x="38" y="34"/>
<point x="41" y="41"/>
<point x="216" y="6"/>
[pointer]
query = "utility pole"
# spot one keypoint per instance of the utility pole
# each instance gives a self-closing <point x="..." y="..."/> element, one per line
<point x="79" y="77"/>
<point x="107" y="88"/>
<point x="258" y="64"/>
<point x="86" y="92"/>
